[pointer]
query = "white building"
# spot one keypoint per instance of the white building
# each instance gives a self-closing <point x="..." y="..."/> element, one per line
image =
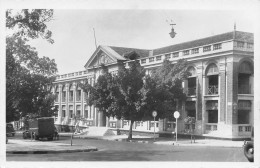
<point x="220" y="91"/>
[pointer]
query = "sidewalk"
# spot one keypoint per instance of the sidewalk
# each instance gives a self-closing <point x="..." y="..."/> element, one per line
<point x="25" y="146"/>
<point x="167" y="141"/>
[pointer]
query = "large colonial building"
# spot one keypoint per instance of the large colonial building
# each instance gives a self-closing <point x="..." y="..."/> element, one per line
<point x="220" y="89"/>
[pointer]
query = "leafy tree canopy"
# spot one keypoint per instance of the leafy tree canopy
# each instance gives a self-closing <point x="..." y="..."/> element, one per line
<point x="27" y="74"/>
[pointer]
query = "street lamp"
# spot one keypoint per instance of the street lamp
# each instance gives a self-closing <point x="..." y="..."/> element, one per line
<point x="172" y="33"/>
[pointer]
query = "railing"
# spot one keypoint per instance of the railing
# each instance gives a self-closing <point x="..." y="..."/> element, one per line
<point x="213" y="89"/>
<point x="211" y="127"/>
<point x="191" y="91"/>
<point x="80" y="73"/>
<point x="244" y="89"/>
<point x="244" y="128"/>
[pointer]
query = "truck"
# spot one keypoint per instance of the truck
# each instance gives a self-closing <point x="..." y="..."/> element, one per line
<point x="249" y="147"/>
<point x="40" y="128"/>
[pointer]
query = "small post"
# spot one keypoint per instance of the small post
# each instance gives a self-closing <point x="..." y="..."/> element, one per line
<point x="71" y="139"/>
<point x="176" y="129"/>
<point x="31" y="136"/>
<point x="176" y="115"/>
<point x="154" y="129"/>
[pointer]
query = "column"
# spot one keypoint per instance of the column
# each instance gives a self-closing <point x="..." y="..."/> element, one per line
<point x="232" y="88"/>
<point x="67" y="102"/>
<point x="59" y="100"/>
<point x="222" y="93"/>
<point x="200" y="107"/>
<point x="100" y="119"/>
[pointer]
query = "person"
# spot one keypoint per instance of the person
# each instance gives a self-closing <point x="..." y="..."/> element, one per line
<point x="77" y="127"/>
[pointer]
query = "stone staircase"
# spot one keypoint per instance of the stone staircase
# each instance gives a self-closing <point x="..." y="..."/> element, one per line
<point x="97" y="132"/>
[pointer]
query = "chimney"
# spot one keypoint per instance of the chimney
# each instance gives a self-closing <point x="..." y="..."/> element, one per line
<point x="234" y="32"/>
<point x="150" y="53"/>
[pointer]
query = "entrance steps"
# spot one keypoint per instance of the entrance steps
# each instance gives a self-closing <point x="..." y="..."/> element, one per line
<point x="97" y="132"/>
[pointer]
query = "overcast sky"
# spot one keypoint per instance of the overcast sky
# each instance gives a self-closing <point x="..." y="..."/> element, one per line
<point x="145" y="29"/>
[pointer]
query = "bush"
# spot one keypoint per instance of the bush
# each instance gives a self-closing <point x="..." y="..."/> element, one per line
<point x="66" y="128"/>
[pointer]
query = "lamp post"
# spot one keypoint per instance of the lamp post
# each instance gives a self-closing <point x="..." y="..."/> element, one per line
<point x="20" y="122"/>
<point x="154" y="115"/>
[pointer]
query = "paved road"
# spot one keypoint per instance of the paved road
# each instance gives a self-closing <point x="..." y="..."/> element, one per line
<point x="127" y="151"/>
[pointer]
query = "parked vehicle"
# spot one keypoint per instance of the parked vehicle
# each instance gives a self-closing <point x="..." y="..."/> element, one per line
<point x="10" y="130"/>
<point x="41" y="128"/>
<point x="249" y="147"/>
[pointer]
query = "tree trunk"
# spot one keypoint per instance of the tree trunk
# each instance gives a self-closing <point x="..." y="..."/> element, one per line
<point x="130" y="130"/>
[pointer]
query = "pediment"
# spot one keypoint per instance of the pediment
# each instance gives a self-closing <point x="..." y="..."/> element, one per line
<point x="103" y="55"/>
<point x="101" y="58"/>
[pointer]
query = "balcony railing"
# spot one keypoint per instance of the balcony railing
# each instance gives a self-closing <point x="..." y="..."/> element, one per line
<point x="244" y="128"/>
<point x="191" y="91"/>
<point x="211" y="127"/>
<point x="213" y="90"/>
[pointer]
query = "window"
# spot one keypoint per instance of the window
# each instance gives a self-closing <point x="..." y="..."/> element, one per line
<point x="63" y="96"/>
<point x="90" y="113"/>
<point x="243" y="116"/>
<point x="217" y="46"/>
<point x="158" y="58"/>
<point x="175" y="54"/>
<point x="207" y="48"/>
<point x="78" y="95"/>
<point x="151" y="59"/>
<point x="143" y="61"/>
<point x="240" y="44"/>
<point x="63" y="113"/>
<point x="249" y="45"/>
<point x="244" y="75"/>
<point x="186" y="52"/>
<point x="212" y="69"/>
<point x="195" y="51"/>
<point x="71" y="113"/>
<point x="71" y="96"/>
<point x="56" y="96"/>
<point x="86" y="112"/>
<point x="78" y="111"/>
<point x="167" y="56"/>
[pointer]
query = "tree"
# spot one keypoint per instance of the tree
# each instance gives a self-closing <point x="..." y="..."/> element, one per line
<point x="28" y="75"/>
<point x="132" y="95"/>
<point x="169" y="91"/>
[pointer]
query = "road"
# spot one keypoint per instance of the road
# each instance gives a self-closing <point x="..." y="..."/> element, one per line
<point x="128" y="151"/>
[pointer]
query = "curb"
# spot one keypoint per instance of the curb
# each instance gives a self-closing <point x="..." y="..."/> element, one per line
<point x="156" y="142"/>
<point x="52" y="151"/>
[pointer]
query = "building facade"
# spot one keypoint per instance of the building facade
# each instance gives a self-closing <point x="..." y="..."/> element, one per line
<point x="220" y="90"/>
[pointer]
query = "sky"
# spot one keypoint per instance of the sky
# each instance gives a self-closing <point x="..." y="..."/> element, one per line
<point x="73" y="31"/>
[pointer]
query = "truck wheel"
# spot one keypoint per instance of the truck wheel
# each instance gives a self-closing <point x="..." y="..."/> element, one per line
<point x="249" y="151"/>
<point x="50" y="139"/>
<point x="36" y="137"/>
<point x="24" y="136"/>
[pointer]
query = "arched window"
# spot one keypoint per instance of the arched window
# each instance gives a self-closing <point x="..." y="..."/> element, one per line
<point x="245" y="71"/>
<point x="78" y="93"/>
<point x="63" y="93"/>
<point x="192" y="71"/>
<point x="71" y="93"/>
<point x="212" y="79"/>
<point x="212" y="69"/>
<point x="56" y="93"/>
